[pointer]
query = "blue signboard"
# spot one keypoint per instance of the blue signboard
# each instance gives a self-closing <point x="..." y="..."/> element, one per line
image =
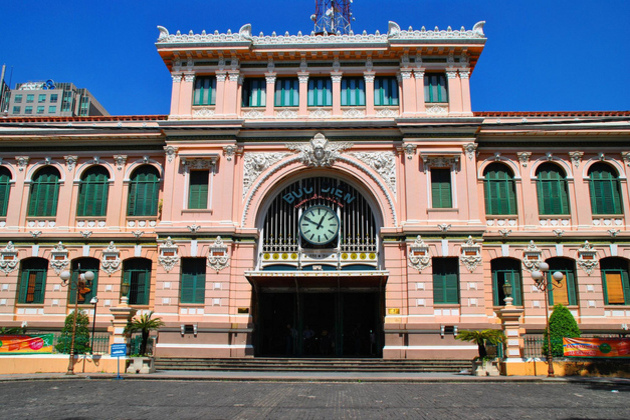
<point x="119" y="350"/>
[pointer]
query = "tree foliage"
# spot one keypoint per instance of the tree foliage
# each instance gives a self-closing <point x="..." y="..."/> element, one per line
<point x="144" y="324"/>
<point x="561" y="324"/>
<point x="481" y="338"/>
<point x="82" y="336"/>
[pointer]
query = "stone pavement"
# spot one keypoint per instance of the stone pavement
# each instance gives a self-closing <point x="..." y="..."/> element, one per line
<point x="199" y="398"/>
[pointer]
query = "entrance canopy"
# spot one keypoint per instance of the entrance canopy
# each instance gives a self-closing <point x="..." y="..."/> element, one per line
<point x="316" y="279"/>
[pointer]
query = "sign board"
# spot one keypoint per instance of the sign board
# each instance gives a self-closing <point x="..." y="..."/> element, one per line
<point x="596" y="347"/>
<point x="119" y="350"/>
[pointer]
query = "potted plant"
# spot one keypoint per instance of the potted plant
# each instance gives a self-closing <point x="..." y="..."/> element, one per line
<point x="482" y="364"/>
<point x="144" y="324"/>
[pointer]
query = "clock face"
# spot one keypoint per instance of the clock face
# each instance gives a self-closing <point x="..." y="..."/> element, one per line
<point x="319" y="225"/>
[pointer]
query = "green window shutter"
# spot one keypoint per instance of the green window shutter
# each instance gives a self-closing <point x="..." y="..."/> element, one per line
<point x="137" y="273"/>
<point x="385" y="91"/>
<point x="319" y="91"/>
<point x="5" y="188"/>
<point x="352" y="91"/>
<point x="143" y="192"/>
<point x="499" y="190"/>
<point x="441" y="196"/>
<point x="254" y="93"/>
<point x="286" y="92"/>
<point x="193" y="280"/>
<point x="205" y="90"/>
<point x="33" y="281"/>
<point x="93" y="192"/>
<point x="445" y="280"/>
<point x="44" y="193"/>
<point x="605" y="190"/>
<point x="198" y="190"/>
<point x="553" y="196"/>
<point x="435" y="88"/>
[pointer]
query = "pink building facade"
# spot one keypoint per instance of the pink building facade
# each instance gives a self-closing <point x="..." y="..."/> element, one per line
<point x="316" y="195"/>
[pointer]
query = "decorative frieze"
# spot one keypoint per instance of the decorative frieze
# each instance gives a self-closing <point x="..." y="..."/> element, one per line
<point x="253" y="114"/>
<point x="218" y="256"/>
<point x="607" y="222"/>
<point x="168" y="257"/>
<point x="199" y="162"/>
<point x="384" y="163"/>
<point x="110" y="261"/>
<point x="471" y="254"/>
<point x="353" y="113"/>
<point x="255" y="163"/>
<point x="287" y="114"/>
<point x="319" y="113"/>
<point x="437" y="110"/>
<point x="319" y="152"/>
<point x="587" y="258"/>
<point x="554" y="222"/>
<point x="386" y="112"/>
<point x="418" y="255"/>
<point x="8" y="258"/>
<point x="204" y="112"/>
<point x="501" y="222"/>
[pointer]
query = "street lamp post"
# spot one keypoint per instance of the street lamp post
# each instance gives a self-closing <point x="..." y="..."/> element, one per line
<point x="83" y="280"/>
<point x="93" y="301"/>
<point x="542" y="283"/>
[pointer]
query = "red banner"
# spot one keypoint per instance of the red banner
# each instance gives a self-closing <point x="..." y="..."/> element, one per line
<point x="596" y="347"/>
<point x="20" y="344"/>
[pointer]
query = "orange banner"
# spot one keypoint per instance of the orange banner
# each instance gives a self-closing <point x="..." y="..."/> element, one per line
<point x="596" y="347"/>
<point x="16" y="344"/>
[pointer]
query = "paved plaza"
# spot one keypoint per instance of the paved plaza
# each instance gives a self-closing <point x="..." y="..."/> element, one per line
<point x="199" y="399"/>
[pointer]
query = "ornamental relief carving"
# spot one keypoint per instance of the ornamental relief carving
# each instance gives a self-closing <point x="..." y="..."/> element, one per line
<point x="110" y="262"/>
<point x="319" y="152"/>
<point x="471" y="254"/>
<point x="384" y="163"/>
<point x="532" y="257"/>
<point x="587" y="258"/>
<point x="218" y="257"/>
<point x="8" y="258"/>
<point x="59" y="258"/>
<point x="418" y="256"/>
<point x="168" y="257"/>
<point x="256" y="163"/>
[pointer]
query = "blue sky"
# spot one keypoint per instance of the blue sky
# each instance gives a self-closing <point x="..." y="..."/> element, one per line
<point x="553" y="55"/>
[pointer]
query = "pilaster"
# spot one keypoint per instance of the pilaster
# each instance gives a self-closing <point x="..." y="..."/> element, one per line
<point x="303" y="93"/>
<point x="270" y="93"/>
<point x="421" y="107"/>
<point x="175" y="92"/>
<point x="369" y="93"/>
<point x="336" y="92"/>
<point x="408" y="92"/>
<point x="454" y="92"/>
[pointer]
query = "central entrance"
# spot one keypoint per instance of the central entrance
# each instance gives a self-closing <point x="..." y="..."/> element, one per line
<point x="319" y="323"/>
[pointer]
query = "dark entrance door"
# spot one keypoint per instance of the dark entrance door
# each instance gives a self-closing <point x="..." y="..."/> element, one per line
<point x="319" y="324"/>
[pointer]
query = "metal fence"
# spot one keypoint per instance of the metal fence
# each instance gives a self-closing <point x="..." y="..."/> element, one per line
<point x="100" y="341"/>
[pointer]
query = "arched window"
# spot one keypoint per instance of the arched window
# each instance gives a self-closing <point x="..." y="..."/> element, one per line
<point x="81" y="265"/>
<point x="605" y="189"/>
<point x="500" y="195"/>
<point x="615" y="281"/>
<point x="5" y="189"/>
<point x="565" y="292"/>
<point x="137" y="274"/>
<point x="44" y="193"/>
<point x="144" y="189"/>
<point x="551" y="183"/>
<point x="93" y="191"/>
<point x="506" y="270"/>
<point x="32" y="280"/>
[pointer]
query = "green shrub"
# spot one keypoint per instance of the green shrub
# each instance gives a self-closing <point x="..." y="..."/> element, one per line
<point x="481" y="338"/>
<point x="82" y="336"/>
<point x="561" y="324"/>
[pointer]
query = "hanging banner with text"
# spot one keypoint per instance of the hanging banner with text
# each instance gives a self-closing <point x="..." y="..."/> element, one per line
<point x="20" y="344"/>
<point x="596" y="347"/>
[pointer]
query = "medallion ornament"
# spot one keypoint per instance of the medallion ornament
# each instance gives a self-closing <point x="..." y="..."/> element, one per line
<point x="319" y="152"/>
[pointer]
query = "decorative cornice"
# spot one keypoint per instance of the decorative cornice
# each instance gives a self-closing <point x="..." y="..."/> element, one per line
<point x="394" y="35"/>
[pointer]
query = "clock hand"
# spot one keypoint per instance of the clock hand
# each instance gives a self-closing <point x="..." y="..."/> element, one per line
<point x="319" y="225"/>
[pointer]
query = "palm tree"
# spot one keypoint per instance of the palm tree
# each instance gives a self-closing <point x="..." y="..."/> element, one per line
<point x="145" y="325"/>
<point x="480" y="337"/>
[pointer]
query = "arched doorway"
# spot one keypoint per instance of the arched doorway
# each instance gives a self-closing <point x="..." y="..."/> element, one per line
<point x="318" y="287"/>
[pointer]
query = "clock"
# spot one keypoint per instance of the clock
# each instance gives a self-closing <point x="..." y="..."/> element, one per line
<point x="319" y="225"/>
